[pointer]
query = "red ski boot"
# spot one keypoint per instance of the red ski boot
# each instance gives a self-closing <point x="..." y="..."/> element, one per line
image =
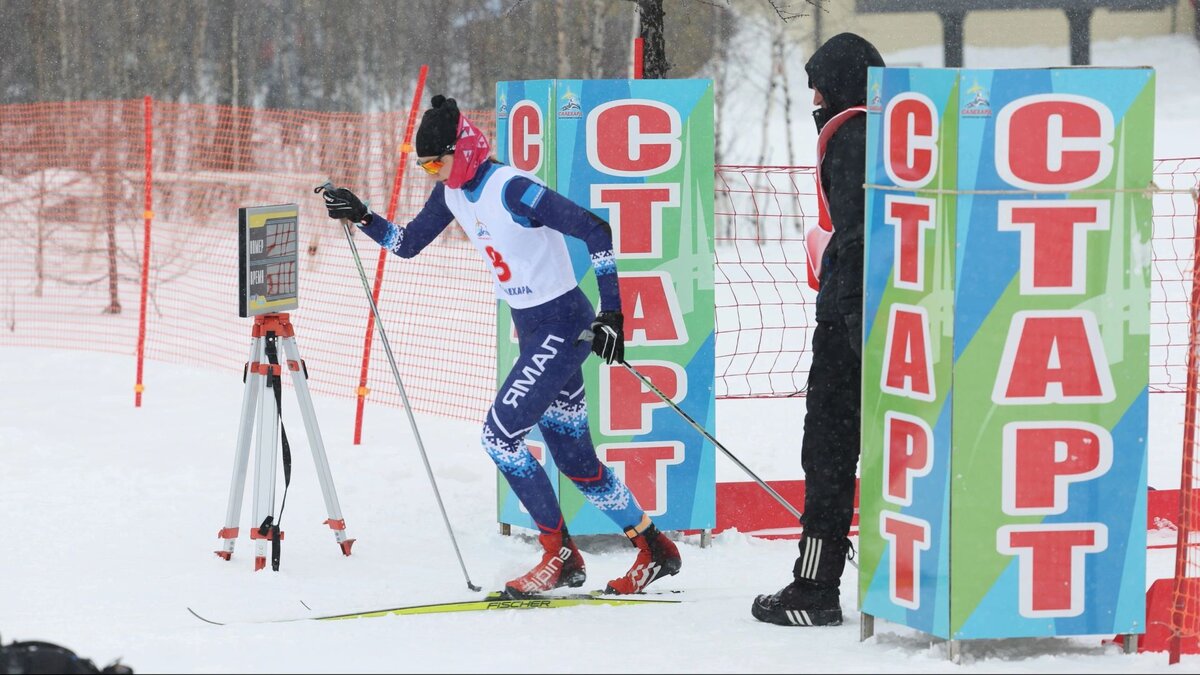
<point x="657" y="557"/>
<point x="561" y="565"/>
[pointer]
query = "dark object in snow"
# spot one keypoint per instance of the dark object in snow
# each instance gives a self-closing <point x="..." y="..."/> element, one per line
<point x="34" y="657"/>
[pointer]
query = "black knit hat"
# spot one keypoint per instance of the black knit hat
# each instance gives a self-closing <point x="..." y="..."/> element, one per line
<point x="439" y="127"/>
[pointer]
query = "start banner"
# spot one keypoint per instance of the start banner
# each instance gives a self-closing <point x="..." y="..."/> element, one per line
<point x="1006" y="362"/>
<point x="638" y="153"/>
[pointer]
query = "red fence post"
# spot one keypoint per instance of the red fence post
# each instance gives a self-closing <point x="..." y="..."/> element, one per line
<point x="1186" y="487"/>
<point x="147" y="216"/>
<point x="401" y="164"/>
<point x="638" y="50"/>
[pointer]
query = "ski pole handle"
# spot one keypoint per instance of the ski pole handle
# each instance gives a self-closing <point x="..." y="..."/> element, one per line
<point x="326" y="187"/>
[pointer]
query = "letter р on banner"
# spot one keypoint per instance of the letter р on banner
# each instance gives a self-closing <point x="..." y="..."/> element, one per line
<point x="638" y="153"/>
<point x="1006" y="362"/>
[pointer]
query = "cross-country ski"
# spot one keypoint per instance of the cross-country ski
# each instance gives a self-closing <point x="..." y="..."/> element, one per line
<point x="492" y="602"/>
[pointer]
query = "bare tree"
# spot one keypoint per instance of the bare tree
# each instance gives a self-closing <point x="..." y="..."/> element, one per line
<point x="654" y="44"/>
<point x="198" y="53"/>
<point x="334" y="54"/>
<point x="65" y="30"/>
<point x="719" y="73"/>
<point x="596" y="41"/>
<point x="781" y="65"/>
<point x="788" y="10"/>
<point x="560" y="41"/>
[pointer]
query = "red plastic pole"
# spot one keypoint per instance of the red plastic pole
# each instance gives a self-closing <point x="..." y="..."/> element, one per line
<point x="405" y="148"/>
<point x="1186" y="485"/>
<point x="147" y="216"/>
<point x="638" y="46"/>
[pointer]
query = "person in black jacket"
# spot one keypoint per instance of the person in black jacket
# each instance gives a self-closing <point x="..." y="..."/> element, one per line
<point x="837" y="74"/>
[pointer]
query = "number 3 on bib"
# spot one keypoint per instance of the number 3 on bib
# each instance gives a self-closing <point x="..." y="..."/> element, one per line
<point x="503" y="273"/>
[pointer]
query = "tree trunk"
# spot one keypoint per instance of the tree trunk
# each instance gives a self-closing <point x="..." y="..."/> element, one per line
<point x="767" y="113"/>
<point x="560" y="40"/>
<point x="595" y="52"/>
<point x="114" y="295"/>
<point x="235" y="70"/>
<point x="39" y="252"/>
<point x="112" y="190"/>
<point x="781" y="64"/>
<point x="39" y="27"/>
<point x="720" y="74"/>
<point x="233" y="58"/>
<point x="769" y="97"/>
<point x="198" y="51"/>
<point x="654" y="44"/>
<point x="64" y="34"/>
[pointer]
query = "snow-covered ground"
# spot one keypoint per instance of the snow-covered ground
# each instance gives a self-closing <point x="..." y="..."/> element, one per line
<point x="112" y="514"/>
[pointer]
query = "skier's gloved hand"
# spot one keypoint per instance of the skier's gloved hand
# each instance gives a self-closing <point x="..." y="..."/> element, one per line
<point x="342" y="203"/>
<point x="608" y="337"/>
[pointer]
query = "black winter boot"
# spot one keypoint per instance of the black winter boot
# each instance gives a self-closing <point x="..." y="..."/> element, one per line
<point x="812" y="599"/>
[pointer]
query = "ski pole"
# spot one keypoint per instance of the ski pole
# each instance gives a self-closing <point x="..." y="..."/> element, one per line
<point x="771" y="491"/>
<point x="587" y="334"/>
<point x="387" y="348"/>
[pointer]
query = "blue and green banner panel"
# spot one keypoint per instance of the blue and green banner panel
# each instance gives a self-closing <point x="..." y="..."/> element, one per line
<point x="1006" y="368"/>
<point x="638" y="153"/>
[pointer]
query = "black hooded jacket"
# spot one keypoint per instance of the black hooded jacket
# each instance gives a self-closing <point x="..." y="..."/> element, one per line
<point x="839" y="71"/>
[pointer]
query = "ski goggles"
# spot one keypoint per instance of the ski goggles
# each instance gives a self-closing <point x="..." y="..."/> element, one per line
<point x="432" y="166"/>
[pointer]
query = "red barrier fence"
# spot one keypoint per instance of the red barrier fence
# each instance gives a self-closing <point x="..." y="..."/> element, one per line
<point x="74" y="190"/>
<point x="75" y="183"/>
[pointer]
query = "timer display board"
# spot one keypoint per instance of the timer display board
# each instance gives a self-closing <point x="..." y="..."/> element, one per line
<point x="267" y="259"/>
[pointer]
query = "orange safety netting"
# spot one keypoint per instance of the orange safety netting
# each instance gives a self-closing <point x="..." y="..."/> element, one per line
<point x="73" y="184"/>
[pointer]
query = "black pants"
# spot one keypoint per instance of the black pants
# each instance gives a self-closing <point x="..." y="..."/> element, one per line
<point x="829" y="453"/>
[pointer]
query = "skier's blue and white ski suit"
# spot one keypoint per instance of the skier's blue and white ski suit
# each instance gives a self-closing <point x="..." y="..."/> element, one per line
<point x="519" y="227"/>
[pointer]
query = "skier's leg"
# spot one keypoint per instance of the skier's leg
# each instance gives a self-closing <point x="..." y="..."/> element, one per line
<point x="565" y="428"/>
<point x="548" y="355"/>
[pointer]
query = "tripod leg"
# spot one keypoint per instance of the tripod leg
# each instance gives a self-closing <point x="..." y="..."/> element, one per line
<point x="300" y="382"/>
<point x="264" y="467"/>
<point x="237" y="484"/>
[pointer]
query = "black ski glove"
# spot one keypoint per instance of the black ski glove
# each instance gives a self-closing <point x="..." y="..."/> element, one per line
<point x="608" y="337"/>
<point x="342" y="203"/>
